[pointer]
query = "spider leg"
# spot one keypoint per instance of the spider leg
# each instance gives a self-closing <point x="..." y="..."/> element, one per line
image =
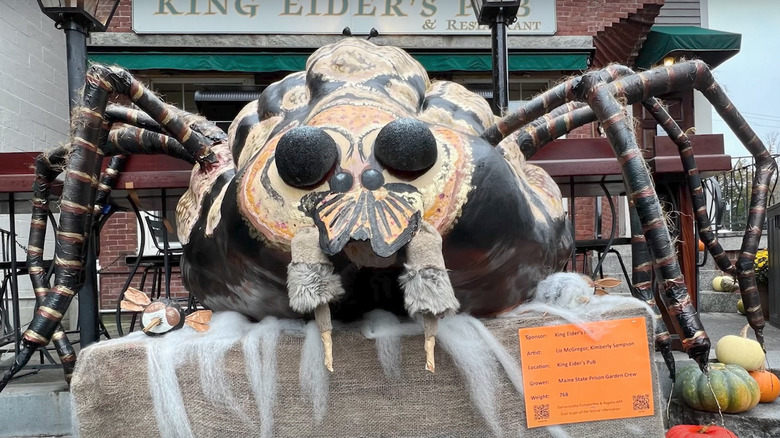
<point x="558" y="122"/>
<point x="108" y="181"/>
<point x="553" y="101"/>
<point x="551" y="126"/>
<point x="128" y="140"/>
<point x="541" y="133"/>
<point x="683" y="143"/>
<point x="642" y="282"/>
<point x="47" y="166"/>
<point x="696" y="74"/>
<point x="601" y="98"/>
<point x="46" y="170"/>
<point x="78" y="194"/>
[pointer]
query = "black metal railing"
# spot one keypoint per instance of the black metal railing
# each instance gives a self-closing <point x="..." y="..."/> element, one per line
<point x="735" y="188"/>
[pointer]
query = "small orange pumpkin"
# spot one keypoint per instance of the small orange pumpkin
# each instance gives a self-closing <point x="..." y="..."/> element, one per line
<point x="768" y="383"/>
<point x="691" y="431"/>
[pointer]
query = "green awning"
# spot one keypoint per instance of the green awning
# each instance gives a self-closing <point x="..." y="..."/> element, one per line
<point x="268" y="62"/>
<point x="711" y="46"/>
<point x="517" y="61"/>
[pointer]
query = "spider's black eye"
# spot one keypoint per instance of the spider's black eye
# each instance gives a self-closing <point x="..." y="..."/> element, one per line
<point x="305" y="156"/>
<point x="406" y="145"/>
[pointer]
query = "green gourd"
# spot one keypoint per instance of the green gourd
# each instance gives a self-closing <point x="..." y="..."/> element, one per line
<point x="732" y="387"/>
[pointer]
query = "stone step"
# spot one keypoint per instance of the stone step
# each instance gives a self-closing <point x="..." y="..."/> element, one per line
<point x="36" y="409"/>
<point x="721" y="302"/>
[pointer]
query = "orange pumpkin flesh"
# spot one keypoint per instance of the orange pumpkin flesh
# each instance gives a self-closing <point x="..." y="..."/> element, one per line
<point x="768" y="383"/>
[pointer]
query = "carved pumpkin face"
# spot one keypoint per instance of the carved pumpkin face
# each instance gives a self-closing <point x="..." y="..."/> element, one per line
<point x="353" y="146"/>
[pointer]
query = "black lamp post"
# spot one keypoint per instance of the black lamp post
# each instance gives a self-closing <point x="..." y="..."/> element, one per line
<point x="498" y="14"/>
<point x="78" y="18"/>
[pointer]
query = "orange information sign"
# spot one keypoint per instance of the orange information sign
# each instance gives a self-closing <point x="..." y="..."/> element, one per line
<point x="595" y="371"/>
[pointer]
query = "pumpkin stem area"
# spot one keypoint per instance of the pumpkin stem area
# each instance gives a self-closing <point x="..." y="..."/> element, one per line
<point x="704" y="428"/>
<point x="744" y="331"/>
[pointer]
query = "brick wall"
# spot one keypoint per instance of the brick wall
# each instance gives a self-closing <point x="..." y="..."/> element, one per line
<point x="584" y="220"/>
<point x="118" y="241"/>
<point x="586" y="17"/>
<point x="123" y="20"/>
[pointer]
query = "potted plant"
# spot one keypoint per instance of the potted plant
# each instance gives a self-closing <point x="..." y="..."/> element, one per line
<point x="761" y="267"/>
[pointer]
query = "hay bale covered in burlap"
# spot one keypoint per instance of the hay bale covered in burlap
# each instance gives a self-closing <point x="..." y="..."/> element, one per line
<point x="267" y="379"/>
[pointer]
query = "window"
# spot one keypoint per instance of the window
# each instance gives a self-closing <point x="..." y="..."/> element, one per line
<point x="523" y="91"/>
<point x="520" y="90"/>
<point x="180" y="91"/>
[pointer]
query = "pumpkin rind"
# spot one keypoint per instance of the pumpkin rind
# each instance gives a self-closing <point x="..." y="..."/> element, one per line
<point x="736" y="350"/>
<point x="734" y="390"/>
<point x="691" y="431"/>
<point x="768" y="384"/>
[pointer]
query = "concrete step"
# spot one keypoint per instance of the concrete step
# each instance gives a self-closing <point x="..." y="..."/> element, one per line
<point x="36" y="409"/>
<point x="722" y="302"/>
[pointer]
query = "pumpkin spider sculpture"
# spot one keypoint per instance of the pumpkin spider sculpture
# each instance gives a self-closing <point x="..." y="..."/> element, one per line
<point x="360" y="184"/>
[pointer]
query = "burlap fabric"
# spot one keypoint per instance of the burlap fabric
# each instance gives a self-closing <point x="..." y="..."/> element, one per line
<point x="112" y="395"/>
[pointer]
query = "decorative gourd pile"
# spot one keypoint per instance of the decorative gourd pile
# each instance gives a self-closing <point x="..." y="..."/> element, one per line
<point x="736" y="383"/>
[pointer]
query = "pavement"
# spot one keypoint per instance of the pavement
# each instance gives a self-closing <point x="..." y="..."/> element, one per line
<point x="45" y="391"/>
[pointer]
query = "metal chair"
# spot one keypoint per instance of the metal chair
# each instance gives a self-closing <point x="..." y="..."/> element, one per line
<point x="159" y="265"/>
<point x="602" y="245"/>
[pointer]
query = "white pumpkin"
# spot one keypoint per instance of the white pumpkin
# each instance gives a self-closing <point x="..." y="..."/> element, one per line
<point x="739" y="350"/>
<point x="724" y="283"/>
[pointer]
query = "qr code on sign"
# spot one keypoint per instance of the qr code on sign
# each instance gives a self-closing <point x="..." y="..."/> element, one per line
<point x="541" y="412"/>
<point x="641" y="402"/>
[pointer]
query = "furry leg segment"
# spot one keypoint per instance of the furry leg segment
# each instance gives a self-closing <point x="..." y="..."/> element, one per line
<point x="312" y="284"/>
<point x="427" y="287"/>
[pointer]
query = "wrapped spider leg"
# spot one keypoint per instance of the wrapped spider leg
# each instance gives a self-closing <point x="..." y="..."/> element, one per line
<point x="47" y="167"/>
<point x="427" y="288"/>
<point x="696" y="74"/>
<point x="312" y="285"/>
<point x="632" y="87"/>
<point x="562" y="120"/>
<point x="634" y="172"/>
<point x="759" y="197"/>
<point x="86" y="150"/>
